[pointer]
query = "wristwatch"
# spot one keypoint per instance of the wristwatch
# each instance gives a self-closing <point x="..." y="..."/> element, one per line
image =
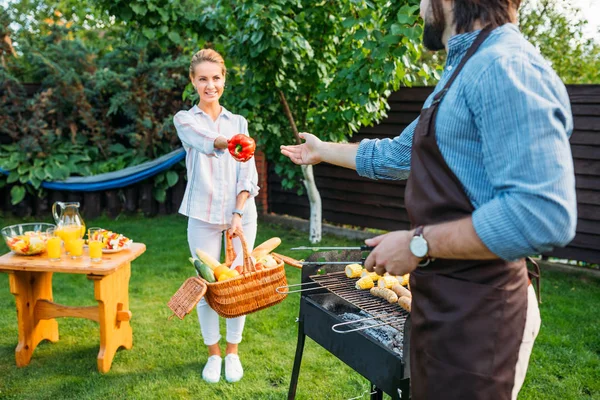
<point x="239" y="212"/>
<point x="419" y="247"/>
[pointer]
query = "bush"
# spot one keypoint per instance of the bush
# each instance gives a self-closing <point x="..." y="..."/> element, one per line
<point x="102" y="104"/>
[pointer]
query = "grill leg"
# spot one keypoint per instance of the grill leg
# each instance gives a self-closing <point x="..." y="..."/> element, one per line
<point x="297" y="361"/>
<point x="376" y="393"/>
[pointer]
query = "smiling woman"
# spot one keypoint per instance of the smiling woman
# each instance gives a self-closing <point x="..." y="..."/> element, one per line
<point x="219" y="194"/>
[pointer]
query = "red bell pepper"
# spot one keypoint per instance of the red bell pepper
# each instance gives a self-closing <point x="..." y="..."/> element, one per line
<point x="241" y="147"/>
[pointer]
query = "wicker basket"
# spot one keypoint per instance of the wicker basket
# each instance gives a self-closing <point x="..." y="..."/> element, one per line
<point x="186" y="298"/>
<point x="249" y="292"/>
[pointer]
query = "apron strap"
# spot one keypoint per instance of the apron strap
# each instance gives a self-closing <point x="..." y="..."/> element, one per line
<point x="474" y="47"/>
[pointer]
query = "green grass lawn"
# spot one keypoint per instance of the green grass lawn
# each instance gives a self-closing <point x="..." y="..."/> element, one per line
<point x="167" y="357"/>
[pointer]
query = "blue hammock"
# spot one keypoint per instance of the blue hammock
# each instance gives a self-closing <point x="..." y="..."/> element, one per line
<point x="117" y="179"/>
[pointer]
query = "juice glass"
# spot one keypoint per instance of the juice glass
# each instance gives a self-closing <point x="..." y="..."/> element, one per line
<point x="53" y="244"/>
<point x="76" y="248"/>
<point x="95" y="243"/>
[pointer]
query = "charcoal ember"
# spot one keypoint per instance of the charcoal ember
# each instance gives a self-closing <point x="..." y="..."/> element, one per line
<point x="390" y="337"/>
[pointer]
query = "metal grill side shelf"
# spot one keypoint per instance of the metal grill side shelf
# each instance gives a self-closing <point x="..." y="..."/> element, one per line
<point x="332" y="294"/>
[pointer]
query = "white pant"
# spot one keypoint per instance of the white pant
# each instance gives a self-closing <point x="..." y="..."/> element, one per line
<point x="210" y="238"/>
<point x="532" y="328"/>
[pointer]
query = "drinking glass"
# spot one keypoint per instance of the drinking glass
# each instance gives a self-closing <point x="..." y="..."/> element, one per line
<point x="95" y="243"/>
<point x="76" y="248"/>
<point x="53" y="244"/>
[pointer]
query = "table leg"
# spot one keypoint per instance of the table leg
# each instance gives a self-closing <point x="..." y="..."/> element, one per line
<point x="112" y="293"/>
<point x="28" y="288"/>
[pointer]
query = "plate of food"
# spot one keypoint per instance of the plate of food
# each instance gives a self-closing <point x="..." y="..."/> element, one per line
<point x="115" y="250"/>
<point x="113" y="242"/>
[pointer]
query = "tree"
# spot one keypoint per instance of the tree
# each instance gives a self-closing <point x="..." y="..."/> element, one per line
<point x="325" y="67"/>
<point x="331" y="66"/>
<point x="556" y="28"/>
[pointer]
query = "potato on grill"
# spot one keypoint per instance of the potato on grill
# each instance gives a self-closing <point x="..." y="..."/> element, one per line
<point x="384" y="293"/>
<point x="387" y="281"/>
<point x="405" y="302"/>
<point x="373" y="275"/>
<point x="353" y="270"/>
<point x="364" y="283"/>
<point x="401" y="290"/>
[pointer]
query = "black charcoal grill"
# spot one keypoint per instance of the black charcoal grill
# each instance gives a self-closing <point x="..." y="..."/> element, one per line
<point x="326" y="296"/>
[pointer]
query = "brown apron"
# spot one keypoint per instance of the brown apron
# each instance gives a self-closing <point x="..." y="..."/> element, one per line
<point x="468" y="316"/>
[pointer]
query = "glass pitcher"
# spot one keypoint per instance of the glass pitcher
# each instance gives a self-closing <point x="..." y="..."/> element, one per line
<point x="68" y="219"/>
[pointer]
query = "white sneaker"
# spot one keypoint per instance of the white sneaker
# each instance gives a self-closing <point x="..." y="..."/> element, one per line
<point x="212" y="370"/>
<point x="233" y="368"/>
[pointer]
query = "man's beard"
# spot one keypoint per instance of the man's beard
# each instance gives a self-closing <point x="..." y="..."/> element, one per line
<point x="433" y="33"/>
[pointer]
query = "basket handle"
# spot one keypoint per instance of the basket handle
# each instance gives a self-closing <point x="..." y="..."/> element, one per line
<point x="230" y="255"/>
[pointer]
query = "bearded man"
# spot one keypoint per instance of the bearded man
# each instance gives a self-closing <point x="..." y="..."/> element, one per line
<point x="490" y="182"/>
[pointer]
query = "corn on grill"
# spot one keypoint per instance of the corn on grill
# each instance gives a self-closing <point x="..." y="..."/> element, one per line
<point x="326" y="294"/>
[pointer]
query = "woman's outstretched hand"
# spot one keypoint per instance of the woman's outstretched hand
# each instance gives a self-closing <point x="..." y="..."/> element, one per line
<point x="307" y="153"/>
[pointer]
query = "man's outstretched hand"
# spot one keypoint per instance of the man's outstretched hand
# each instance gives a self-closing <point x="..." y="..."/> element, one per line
<point x="306" y="153"/>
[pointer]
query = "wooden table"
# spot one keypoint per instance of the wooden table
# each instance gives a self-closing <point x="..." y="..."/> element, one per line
<point x="30" y="279"/>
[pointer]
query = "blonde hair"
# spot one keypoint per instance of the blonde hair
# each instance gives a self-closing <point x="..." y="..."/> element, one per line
<point x="207" y="55"/>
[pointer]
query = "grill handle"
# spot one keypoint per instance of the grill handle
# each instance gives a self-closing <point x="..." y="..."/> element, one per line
<point x="362" y="328"/>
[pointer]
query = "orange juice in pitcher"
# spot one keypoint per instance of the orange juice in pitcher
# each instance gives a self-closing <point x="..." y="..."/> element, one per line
<point x="69" y="223"/>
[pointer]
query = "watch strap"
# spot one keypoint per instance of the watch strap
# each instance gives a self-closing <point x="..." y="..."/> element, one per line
<point x="238" y="211"/>
<point x="427" y="259"/>
<point x="419" y="230"/>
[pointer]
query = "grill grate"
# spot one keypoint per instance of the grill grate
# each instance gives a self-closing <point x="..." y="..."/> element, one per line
<point x="339" y="284"/>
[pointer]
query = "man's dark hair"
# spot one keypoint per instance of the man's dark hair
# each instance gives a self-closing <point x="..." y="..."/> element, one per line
<point x="489" y="12"/>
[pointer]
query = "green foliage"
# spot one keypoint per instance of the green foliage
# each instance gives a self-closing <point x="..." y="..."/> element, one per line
<point x="556" y="28"/>
<point x="28" y="167"/>
<point x="166" y="24"/>
<point x="334" y="62"/>
<point x="109" y="71"/>
<point x="103" y="103"/>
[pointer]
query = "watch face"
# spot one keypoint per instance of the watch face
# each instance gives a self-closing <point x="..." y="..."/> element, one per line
<point x="418" y="246"/>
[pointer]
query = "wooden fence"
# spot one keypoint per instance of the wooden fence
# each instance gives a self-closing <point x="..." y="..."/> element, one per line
<point x="350" y="199"/>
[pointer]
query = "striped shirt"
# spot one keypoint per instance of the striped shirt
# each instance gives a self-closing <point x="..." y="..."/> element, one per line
<point x="214" y="178"/>
<point x="503" y="129"/>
